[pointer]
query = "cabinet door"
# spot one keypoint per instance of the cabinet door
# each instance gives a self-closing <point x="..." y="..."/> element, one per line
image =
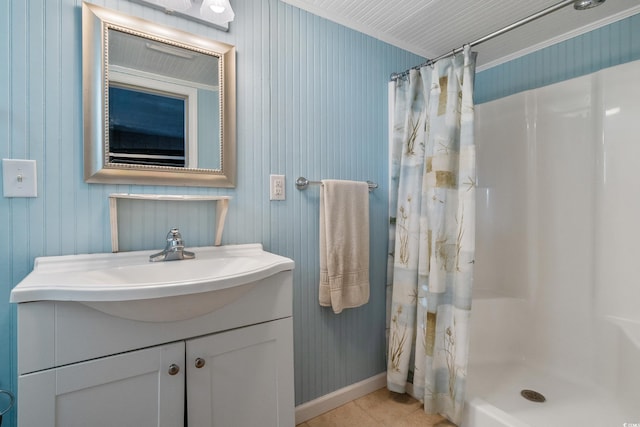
<point x="246" y="379"/>
<point x="127" y="390"/>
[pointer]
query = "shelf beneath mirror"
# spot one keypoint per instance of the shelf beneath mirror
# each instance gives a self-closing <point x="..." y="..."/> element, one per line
<point x="222" y="205"/>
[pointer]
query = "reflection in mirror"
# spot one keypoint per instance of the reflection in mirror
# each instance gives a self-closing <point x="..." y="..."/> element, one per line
<point x="154" y="88"/>
<point x="159" y="106"/>
<point x="146" y="128"/>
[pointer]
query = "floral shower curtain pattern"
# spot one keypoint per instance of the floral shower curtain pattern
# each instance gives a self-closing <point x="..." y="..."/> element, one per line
<point x="433" y="169"/>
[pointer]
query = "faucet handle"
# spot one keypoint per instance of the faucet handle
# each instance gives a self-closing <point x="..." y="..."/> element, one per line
<point x="174" y="240"/>
<point x="174" y="235"/>
<point x="174" y="249"/>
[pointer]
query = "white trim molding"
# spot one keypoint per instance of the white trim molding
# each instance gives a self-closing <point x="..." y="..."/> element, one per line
<point x="313" y="408"/>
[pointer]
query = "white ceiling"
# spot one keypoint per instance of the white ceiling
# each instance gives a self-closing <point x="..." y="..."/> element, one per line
<point x="431" y="28"/>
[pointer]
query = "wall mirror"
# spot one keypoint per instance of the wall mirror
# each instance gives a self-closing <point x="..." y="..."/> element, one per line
<point x="159" y="103"/>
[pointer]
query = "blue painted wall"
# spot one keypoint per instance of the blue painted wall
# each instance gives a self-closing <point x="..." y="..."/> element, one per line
<point x="312" y="100"/>
<point x="604" y="47"/>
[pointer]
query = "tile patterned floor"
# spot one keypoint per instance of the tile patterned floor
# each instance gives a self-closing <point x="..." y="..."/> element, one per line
<point x="381" y="408"/>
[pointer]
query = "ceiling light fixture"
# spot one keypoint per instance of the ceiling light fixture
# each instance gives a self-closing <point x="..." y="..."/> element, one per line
<point x="170" y="50"/>
<point x="177" y="5"/>
<point x="215" y="13"/>
<point x="217" y="10"/>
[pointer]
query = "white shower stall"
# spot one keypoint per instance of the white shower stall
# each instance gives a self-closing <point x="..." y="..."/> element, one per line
<point x="556" y="304"/>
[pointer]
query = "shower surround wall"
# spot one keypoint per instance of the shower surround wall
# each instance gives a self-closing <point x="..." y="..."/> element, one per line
<point x="556" y="302"/>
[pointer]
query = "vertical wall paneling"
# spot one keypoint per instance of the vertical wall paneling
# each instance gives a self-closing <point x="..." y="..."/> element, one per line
<point x="319" y="129"/>
<point x="7" y="323"/>
<point x="607" y="46"/>
<point x="309" y="96"/>
<point x="311" y="101"/>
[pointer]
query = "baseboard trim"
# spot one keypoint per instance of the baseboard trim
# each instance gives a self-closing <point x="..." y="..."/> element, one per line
<point x="313" y="408"/>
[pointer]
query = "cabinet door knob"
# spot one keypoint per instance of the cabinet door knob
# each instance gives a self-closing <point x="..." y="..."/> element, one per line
<point x="200" y="362"/>
<point x="174" y="369"/>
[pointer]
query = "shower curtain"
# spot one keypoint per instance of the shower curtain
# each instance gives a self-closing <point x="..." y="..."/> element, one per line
<point x="433" y="180"/>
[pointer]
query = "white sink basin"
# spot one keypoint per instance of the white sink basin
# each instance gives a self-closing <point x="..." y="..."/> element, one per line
<point x="127" y="285"/>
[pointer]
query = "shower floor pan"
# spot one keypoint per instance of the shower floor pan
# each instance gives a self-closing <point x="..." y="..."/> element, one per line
<point x="494" y="400"/>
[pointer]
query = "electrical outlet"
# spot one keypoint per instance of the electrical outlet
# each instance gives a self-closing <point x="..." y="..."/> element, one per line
<point x="276" y="187"/>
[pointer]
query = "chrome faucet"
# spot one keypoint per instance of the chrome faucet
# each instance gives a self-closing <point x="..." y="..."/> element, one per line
<point x="174" y="249"/>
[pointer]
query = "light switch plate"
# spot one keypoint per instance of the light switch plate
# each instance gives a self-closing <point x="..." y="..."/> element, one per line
<point x="19" y="178"/>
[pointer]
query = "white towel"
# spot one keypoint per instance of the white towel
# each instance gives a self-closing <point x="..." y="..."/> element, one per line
<point x="344" y="244"/>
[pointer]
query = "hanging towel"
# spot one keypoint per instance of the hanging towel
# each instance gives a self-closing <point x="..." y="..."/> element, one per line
<point x="344" y="244"/>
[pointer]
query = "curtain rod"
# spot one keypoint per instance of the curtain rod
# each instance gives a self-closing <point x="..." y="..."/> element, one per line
<point x="550" y="9"/>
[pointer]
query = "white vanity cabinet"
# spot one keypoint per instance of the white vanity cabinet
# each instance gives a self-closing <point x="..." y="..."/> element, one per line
<point x="85" y="367"/>
<point x="235" y="378"/>
<point x="130" y="389"/>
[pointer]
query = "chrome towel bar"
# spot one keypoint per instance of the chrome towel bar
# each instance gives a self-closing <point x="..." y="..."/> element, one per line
<point x="302" y="183"/>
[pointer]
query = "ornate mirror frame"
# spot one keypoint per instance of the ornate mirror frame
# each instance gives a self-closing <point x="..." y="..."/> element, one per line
<point x="96" y="23"/>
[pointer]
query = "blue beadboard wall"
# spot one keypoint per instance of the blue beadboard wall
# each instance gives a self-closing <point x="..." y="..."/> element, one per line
<point x="604" y="47"/>
<point x="312" y="100"/>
